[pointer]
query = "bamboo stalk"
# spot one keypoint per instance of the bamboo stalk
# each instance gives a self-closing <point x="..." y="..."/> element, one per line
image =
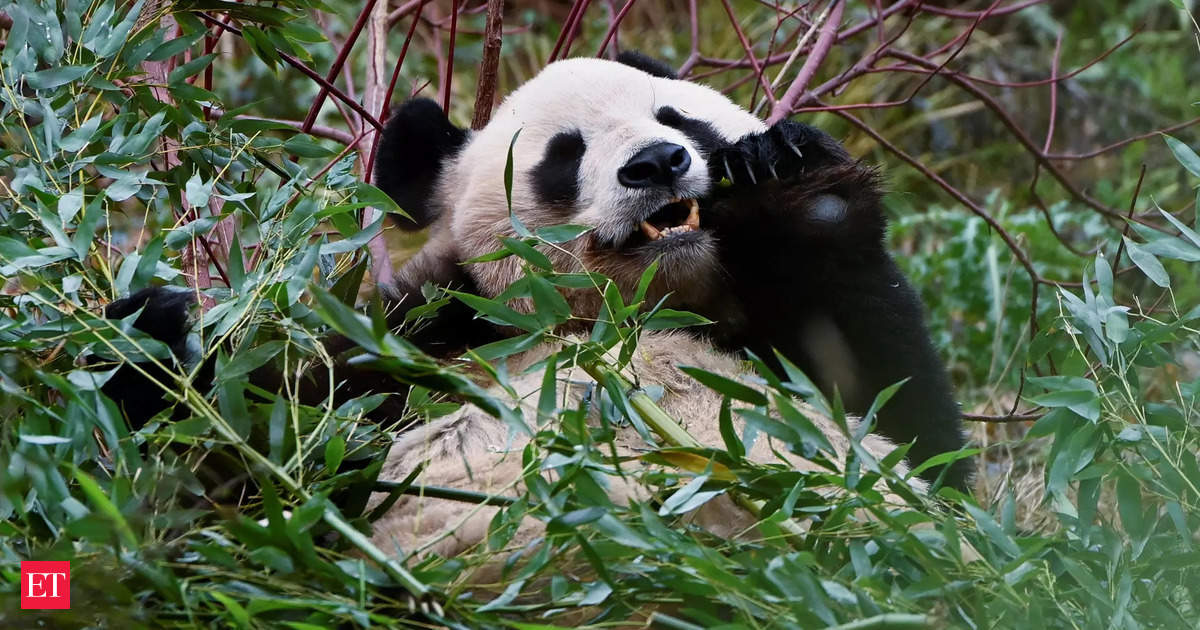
<point x="450" y="494"/>
<point x="675" y="435"/>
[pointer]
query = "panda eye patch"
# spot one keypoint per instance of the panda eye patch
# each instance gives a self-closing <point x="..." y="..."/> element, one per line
<point x="556" y="177"/>
<point x="703" y="135"/>
<point x="566" y="145"/>
<point x="669" y="116"/>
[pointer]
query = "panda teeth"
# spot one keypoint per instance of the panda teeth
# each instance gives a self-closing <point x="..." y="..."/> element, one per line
<point x="650" y="231"/>
<point x="678" y="229"/>
<point x="693" y="219"/>
<point x="692" y="222"/>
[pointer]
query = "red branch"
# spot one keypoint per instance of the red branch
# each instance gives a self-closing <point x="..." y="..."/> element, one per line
<point x="1127" y="141"/>
<point x="612" y="28"/>
<point x="971" y="15"/>
<point x="306" y="71"/>
<point x="1020" y="84"/>
<point x="450" y="59"/>
<point x="336" y="68"/>
<point x="485" y="91"/>
<point x="783" y="108"/>
<point x="758" y="68"/>
<point x="1053" y="93"/>
<point x="569" y="27"/>
<point x="694" y="34"/>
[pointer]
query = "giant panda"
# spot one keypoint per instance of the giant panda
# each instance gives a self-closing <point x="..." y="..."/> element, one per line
<point x="772" y="232"/>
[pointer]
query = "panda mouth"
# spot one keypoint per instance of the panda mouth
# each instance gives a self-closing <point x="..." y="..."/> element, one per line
<point x="680" y="216"/>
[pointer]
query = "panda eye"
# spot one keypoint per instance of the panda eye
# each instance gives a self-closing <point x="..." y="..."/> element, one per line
<point x="556" y="177"/>
<point x="701" y="133"/>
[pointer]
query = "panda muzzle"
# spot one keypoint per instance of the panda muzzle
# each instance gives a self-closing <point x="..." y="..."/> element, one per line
<point x="677" y="217"/>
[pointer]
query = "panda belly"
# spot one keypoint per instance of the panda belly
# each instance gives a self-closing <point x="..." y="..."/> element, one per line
<point x="471" y="450"/>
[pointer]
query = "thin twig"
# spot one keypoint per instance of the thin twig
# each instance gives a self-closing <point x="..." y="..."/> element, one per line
<point x="329" y="133"/>
<point x="1137" y="190"/>
<point x="306" y="71"/>
<point x="694" y="35"/>
<point x="970" y="15"/>
<point x="800" y="44"/>
<point x="1019" y="133"/>
<point x="612" y="28"/>
<point x="1127" y="141"/>
<point x="783" y="108"/>
<point x="569" y="25"/>
<point x="1053" y="92"/>
<point x="1007" y="418"/>
<point x="958" y="195"/>
<point x="448" y="80"/>
<point x="758" y="68"/>
<point x="336" y="68"/>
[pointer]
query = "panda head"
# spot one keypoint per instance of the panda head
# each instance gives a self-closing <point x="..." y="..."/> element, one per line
<point x="622" y="147"/>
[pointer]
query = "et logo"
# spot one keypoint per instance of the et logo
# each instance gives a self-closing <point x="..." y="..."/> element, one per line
<point x="45" y="585"/>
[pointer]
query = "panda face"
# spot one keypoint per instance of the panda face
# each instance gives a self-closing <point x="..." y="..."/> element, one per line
<point x="601" y="144"/>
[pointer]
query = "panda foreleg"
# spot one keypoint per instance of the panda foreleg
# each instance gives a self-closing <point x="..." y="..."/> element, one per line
<point x="880" y="317"/>
<point x="816" y="239"/>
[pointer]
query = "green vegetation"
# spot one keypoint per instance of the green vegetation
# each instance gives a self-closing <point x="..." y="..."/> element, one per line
<point x="125" y="162"/>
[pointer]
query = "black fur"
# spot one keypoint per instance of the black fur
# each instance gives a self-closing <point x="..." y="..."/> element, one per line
<point x="705" y="136"/>
<point x="649" y="65"/>
<point x="164" y="317"/>
<point x="455" y="328"/>
<point x="556" y="176"/>
<point x="416" y="142"/>
<point x="836" y="270"/>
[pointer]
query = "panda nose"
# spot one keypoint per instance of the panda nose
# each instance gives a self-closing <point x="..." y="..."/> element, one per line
<point x="659" y="164"/>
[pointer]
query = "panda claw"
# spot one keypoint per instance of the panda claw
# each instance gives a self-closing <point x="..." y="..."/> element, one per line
<point x="750" y="171"/>
<point x="771" y="167"/>
<point x="794" y="149"/>
<point x="728" y="171"/>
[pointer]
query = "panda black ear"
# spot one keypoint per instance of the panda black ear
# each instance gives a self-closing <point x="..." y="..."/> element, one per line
<point x="649" y="65"/>
<point x="417" y="140"/>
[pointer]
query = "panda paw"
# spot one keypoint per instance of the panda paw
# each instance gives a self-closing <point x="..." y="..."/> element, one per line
<point x="786" y="150"/>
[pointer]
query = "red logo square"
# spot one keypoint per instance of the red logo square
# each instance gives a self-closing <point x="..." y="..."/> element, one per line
<point x="45" y="585"/>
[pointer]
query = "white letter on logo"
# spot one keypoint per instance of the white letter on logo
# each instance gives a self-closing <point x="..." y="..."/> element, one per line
<point x="35" y="582"/>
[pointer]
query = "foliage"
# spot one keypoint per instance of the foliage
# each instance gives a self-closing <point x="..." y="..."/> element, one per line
<point x="115" y="178"/>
